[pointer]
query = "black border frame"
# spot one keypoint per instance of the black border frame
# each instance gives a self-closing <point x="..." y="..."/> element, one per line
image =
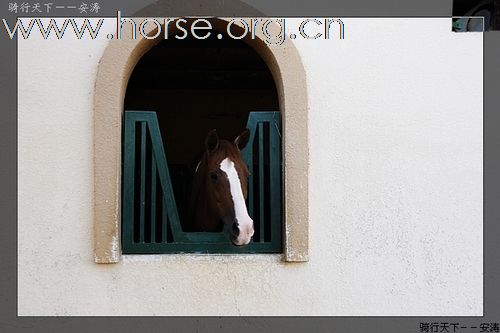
<point x="357" y="8"/>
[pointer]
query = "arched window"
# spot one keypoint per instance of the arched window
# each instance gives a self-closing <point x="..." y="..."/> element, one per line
<point x="179" y="91"/>
<point x="115" y="68"/>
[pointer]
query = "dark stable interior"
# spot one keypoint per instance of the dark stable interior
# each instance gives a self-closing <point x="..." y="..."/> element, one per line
<point x="195" y="86"/>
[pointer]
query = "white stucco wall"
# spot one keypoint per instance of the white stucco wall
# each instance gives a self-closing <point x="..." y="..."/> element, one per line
<point x="395" y="188"/>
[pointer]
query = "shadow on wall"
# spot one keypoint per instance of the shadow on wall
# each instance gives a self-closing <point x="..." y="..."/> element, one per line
<point x="473" y="15"/>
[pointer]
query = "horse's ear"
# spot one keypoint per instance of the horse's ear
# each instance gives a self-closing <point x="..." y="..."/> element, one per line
<point x="242" y="139"/>
<point x="212" y="141"/>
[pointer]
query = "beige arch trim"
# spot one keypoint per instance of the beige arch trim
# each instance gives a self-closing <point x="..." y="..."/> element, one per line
<point x="114" y="69"/>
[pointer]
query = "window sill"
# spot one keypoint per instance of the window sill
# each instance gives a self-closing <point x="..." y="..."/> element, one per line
<point x="203" y="257"/>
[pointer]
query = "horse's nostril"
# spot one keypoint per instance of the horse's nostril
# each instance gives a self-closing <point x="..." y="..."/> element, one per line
<point x="235" y="229"/>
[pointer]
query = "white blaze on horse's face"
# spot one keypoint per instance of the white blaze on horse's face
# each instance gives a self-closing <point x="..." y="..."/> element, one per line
<point x="245" y="223"/>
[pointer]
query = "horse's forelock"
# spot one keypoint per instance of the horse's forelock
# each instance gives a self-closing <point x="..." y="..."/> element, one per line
<point x="225" y="149"/>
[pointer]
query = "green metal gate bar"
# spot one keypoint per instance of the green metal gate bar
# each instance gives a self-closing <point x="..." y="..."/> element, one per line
<point x="150" y="221"/>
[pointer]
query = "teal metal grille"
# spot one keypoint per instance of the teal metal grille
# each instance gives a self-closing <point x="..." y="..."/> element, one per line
<point x="150" y="221"/>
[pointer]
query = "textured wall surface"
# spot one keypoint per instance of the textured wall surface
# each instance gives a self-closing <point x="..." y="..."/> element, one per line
<point x="395" y="116"/>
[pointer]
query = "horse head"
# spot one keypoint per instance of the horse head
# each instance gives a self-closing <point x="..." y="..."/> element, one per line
<point x="222" y="181"/>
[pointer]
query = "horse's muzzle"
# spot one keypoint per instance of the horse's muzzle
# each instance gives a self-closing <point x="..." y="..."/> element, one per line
<point x="241" y="233"/>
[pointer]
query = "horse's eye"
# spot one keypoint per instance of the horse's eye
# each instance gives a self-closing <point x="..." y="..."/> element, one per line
<point x="214" y="175"/>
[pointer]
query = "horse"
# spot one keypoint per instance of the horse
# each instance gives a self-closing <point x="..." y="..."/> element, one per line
<point x="220" y="189"/>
